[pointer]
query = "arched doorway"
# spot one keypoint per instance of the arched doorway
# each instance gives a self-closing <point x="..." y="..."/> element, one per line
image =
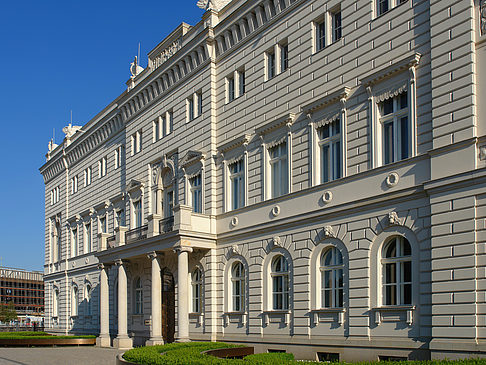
<point x="168" y="306"/>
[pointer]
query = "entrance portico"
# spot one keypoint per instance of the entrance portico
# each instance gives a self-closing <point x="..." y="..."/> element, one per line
<point x="167" y="261"/>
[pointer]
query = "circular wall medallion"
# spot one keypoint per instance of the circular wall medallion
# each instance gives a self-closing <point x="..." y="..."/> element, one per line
<point x="327" y="197"/>
<point x="234" y="221"/>
<point x="87" y="260"/>
<point x="392" y="179"/>
<point x="276" y="210"/>
<point x="74" y="263"/>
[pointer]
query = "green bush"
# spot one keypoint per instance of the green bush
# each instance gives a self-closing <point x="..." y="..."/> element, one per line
<point x="189" y="353"/>
<point x="35" y="335"/>
<point x="23" y="334"/>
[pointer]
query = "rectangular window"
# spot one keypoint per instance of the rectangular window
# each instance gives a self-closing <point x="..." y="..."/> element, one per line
<point x="241" y="82"/>
<point x="74" y="184"/>
<point x="136" y="140"/>
<point x="196" y="194"/>
<point x="394" y="120"/>
<point x="156" y="129"/>
<point x="167" y="124"/>
<point x="103" y="228"/>
<point x="87" y="176"/>
<point x="190" y="109"/>
<point x="119" y="156"/>
<point x="231" y="88"/>
<point x="102" y="167"/>
<point x="270" y="64"/>
<point x="137" y="214"/>
<point x="278" y="170"/>
<point x="320" y="34"/>
<point x="74" y="242"/>
<point x="87" y="238"/>
<point x="120" y="218"/>
<point x="237" y="187"/>
<point x="199" y="101"/>
<point x="330" y="151"/>
<point x="284" y="57"/>
<point x="336" y="25"/>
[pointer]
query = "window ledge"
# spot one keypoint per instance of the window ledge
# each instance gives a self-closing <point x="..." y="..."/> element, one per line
<point x="394" y="308"/>
<point x="199" y="316"/>
<point x="339" y="311"/>
<point x="276" y="312"/>
<point x="243" y="317"/>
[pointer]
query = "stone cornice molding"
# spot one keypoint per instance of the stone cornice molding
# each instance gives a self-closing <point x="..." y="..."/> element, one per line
<point x="382" y="73"/>
<point x="152" y="255"/>
<point x="237" y="142"/>
<point x="192" y="157"/>
<point x="332" y="98"/>
<point x="180" y="249"/>
<point x="287" y="119"/>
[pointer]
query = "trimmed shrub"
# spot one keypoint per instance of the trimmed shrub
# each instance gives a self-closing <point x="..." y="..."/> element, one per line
<point x="271" y="358"/>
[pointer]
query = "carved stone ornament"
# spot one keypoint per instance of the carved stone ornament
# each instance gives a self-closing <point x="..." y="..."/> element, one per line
<point x="276" y="210"/>
<point x="482" y="153"/>
<point x="482" y="10"/>
<point x="234" y="221"/>
<point x="328" y="232"/>
<point x="234" y="250"/>
<point x="276" y="241"/>
<point x="327" y="197"/>
<point x="393" y="219"/>
<point x="392" y="179"/>
<point x="135" y="68"/>
<point x="70" y="130"/>
<point x="216" y="5"/>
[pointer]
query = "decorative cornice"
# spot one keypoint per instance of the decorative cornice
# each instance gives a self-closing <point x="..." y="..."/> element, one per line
<point x="192" y="157"/>
<point x="287" y="119"/>
<point x="403" y="64"/>
<point x="322" y="102"/>
<point x="239" y="141"/>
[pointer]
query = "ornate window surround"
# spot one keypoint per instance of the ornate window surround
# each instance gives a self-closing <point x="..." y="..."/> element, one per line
<point x="271" y="135"/>
<point x="324" y="111"/>
<point x="386" y="82"/>
<point x="232" y="152"/>
<point x="228" y="291"/>
<point x="376" y="274"/>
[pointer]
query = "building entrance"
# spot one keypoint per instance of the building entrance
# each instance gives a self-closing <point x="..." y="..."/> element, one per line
<point x="168" y="306"/>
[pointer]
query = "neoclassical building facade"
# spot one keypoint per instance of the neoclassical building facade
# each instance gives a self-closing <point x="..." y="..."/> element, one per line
<point x="299" y="175"/>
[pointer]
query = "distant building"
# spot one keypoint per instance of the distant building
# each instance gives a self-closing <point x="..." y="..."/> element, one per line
<point x="298" y="175"/>
<point x="25" y="289"/>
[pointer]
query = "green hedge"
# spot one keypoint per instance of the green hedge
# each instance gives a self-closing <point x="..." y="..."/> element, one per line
<point x="35" y="335"/>
<point x="190" y="354"/>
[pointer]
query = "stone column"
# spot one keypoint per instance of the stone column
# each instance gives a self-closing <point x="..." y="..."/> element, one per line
<point x="182" y="293"/>
<point x="103" y="339"/>
<point x="122" y="341"/>
<point x="156" y="325"/>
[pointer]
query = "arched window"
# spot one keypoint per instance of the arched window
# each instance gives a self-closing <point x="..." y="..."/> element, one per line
<point x="332" y="279"/>
<point x="138" y="300"/>
<point x="196" y="290"/>
<point x="55" y="303"/>
<point x="280" y="283"/>
<point x="74" y="301"/>
<point x="87" y="298"/>
<point x="397" y="272"/>
<point x="238" y="286"/>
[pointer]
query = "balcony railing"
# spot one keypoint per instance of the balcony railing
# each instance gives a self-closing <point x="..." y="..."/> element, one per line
<point x="136" y="234"/>
<point x="111" y="241"/>
<point x="166" y="225"/>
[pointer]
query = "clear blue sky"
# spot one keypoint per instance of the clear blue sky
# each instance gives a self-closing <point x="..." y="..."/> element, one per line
<point x="57" y="56"/>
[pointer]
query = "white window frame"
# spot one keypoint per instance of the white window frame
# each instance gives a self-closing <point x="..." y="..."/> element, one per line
<point x="102" y="167"/>
<point x="319" y="24"/>
<point x="136" y="216"/>
<point x="237" y="78"/>
<point x="285" y="291"/>
<point x="197" y="290"/>
<point x="55" y="302"/>
<point x="335" y="171"/>
<point x="391" y="4"/>
<point x="399" y="261"/>
<point x="88" y="176"/>
<point x="378" y="90"/>
<point x="103" y="224"/>
<point x="238" y="285"/>
<point x="196" y="193"/>
<point x="277" y="166"/>
<point x="119" y="152"/>
<point x="74" y="301"/>
<point x="74" y="242"/>
<point x="270" y="70"/>
<point x="74" y="184"/>
<point x="136" y="142"/>
<point x="157" y="129"/>
<point x="88" y="291"/>
<point x="88" y="238"/>
<point x="335" y="268"/>
<point x="240" y="179"/>
<point x="333" y="14"/>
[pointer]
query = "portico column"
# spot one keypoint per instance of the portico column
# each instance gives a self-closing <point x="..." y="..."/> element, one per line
<point x="182" y="293"/>
<point x="156" y="325"/>
<point x="122" y="341"/>
<point x="103" y="339"/>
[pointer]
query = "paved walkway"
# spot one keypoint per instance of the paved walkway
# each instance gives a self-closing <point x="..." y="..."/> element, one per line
<point x="82" y="355"/>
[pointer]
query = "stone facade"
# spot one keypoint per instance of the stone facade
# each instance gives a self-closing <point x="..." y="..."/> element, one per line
<point x="306" y="176"/>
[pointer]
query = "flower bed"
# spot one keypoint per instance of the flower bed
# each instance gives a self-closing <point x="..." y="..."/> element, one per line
<point x="43" y="339"/>
<point x="195" y="353"/>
